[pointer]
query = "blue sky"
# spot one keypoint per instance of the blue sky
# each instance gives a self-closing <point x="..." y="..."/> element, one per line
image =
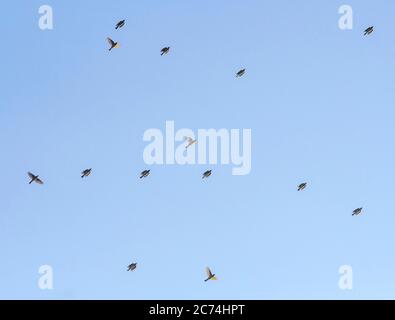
<point x="319" y="102"/>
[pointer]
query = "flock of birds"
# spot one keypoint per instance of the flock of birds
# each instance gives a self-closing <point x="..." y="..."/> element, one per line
<point x="85" y="173"/>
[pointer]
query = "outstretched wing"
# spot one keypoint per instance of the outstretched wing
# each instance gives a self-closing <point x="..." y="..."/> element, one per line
<point x="110" y="41"/>
<point x="38" y="180"/>
<point x="31" y="175"/>
<point x="209" y="273"/>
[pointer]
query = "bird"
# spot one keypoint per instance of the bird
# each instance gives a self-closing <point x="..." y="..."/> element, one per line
<point x="34" y="178"/>
<point x="86" y="172"/>
<point x="112" y="43"/>
<point x="210" y="275"/>
<point x="302" y="186"/>
<point x="120" y="24"/>
<point x="190" y="142"/>
<point x="207" y="174"/>
<point x="145" y="173"/>
<point x="357" y="212"/>
<point x="165" y="50"/>
<point x="132" y="267"/>
<point x="240" y="73"/>
<point x="368" y="31"/>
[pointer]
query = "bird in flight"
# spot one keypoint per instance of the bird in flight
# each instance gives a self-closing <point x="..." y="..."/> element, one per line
<point x="210" y="275"/>
<point x="368" y="31"/>
<point x="145" y="174"/>
<point x="240" y="73"/>
<point x="207" y="174"/>
<point x="132" y="267"/>
<point x="120" y="24"/>
<point x="112" y="43"/>
<point x="357" y="212"/>
<point x="34" y="178"/>
<point x="165" y="50"/>
<point x="302" y="186"/>
<point x="190" y="142"/>
<point x="86" y="173"/>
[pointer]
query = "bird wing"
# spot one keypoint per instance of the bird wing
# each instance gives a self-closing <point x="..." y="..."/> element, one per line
<point x="110" y="41"/>
<point x="38" y="180"/>
<point x="31" y="175"/>
<point x="209" y="273"/>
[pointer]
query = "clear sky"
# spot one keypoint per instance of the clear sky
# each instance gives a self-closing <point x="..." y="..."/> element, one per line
<point x="319" y="101"/>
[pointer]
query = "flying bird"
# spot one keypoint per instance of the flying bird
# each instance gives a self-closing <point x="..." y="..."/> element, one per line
<point x="145" y="174"/>
<point x="357" y="212"/>
<point x="302" y="186"/>
<point x="120" y="24"/>
<point x="368" y="31"/>
<point x="210" y="275"/>
<point x="132" y="267"/>
<point x="207" y="174"/>
<point x="86" y="173"/>
<point x="190" y="142"/>
<point x="240" y="73"/>
<point x="34" y="178"/>
<point x="112" y="43"/>
<point x="165" y="50"/>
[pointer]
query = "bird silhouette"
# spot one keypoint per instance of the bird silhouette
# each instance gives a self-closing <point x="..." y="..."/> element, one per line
<point x="210" y="275"/>
<point x="207" y="174"/>
<point x="132" y="267"/>
<point x="34" y="178"/>
<point x="120" y="24"/>
<point x="86" y="172"/>
<point x="190" y="142"/>
<point x="112" y="44"/>
<point x="240" y="73"/>
<point x="145" y="174"/>
<point x="368" y="31"/>
<point x="165" y="50"/>
<point x="357" y="212"/>
<point x="302" y="186"/>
